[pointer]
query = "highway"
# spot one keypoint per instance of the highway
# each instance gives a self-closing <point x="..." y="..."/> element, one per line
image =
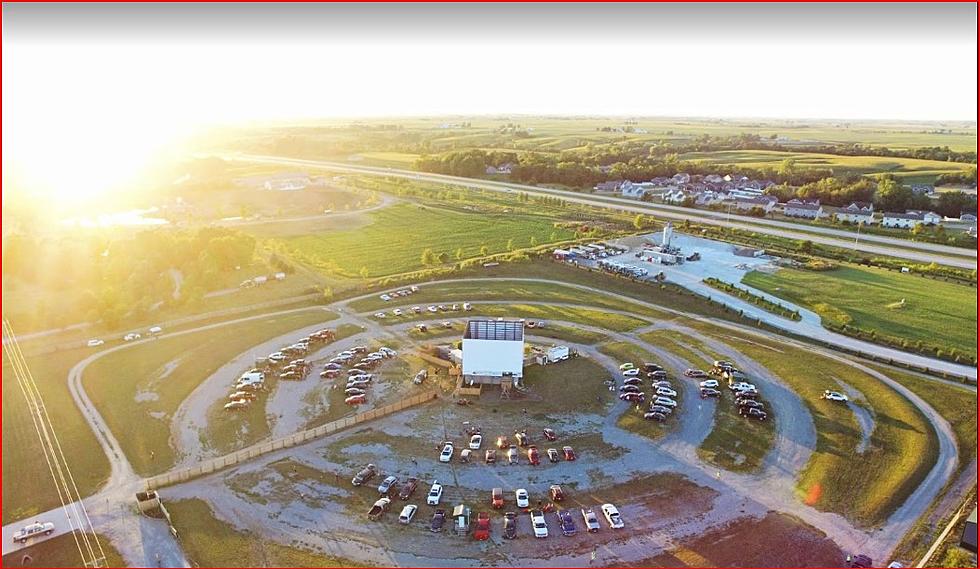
<point x="874" y="244"/>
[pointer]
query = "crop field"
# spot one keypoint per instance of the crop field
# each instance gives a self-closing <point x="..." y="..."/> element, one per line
<point x="144" y="385"/>
<point x="901" y="450"/>
<point x="890" y="303"/>
<point x="860" y="165"/>
<point x="398" y="235"/>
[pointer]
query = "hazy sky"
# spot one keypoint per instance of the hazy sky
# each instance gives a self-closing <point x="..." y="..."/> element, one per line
<point x="123" y="79"/>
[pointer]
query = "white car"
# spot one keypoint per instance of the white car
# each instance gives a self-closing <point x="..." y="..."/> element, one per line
<point x="156" y="330"/>
<point x="834" y="396"/>
<point x="95" y="342"/>
<point x="523" y="499"/>
<point x="380" y="315"/>
<point x="467" y="306"/>
<point x="666" y="392"/>
<point x="397" y="312"/>
<point x="591" y="520"/>
<point x="665" y="401"/>
<point x="476" y="441"/>
<point x="612" y="516"/>
<point x="631" y="373"/>
<point x="408" y="512"/>
<point x="132" y="336"/>
<point x="32" y="530"/>
<point x="742" y="386"/>
<point x="447" y="453"/>
<point x="414" y="288"/>
<point x="417" y="309"/>
<point x="538" y="523"/>
<point x="432" y="309"/>
<point x="709" y="383"/>
<point x="435" y="494"/>
<point x="385" y="297"/>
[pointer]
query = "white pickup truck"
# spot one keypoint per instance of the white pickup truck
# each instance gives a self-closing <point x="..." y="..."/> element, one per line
<point x="33" y="530"/>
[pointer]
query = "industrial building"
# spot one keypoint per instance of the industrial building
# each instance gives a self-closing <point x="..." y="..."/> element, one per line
<point x="493" y="352"/>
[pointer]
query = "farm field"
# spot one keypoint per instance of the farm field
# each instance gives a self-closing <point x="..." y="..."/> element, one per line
<point x="901" y="450"/>
<point x="934" y="312"/>
<point x="144" y="385"/>
<point x="394" y="241"/>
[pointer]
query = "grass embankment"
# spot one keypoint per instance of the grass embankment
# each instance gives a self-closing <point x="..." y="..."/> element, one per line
<point x="865" y="488"/>
<point x="578" y="315"/>
<point x="506" y="290"/>
<point x="227" y="432"/>
<point x="27" y="484"/>
<point x="632" y="418"/>
<point x="145" y="384"/>
<point x="909" y="312"/>
<point x="61" y="551"/>
<point x="397" y="236"/>
<point x="568" y="334"/>
<point x="210" y="542"/>
<point x="752" y="298"/>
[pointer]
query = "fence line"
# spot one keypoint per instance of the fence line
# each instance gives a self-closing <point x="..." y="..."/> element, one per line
<point x="212" y="465"/>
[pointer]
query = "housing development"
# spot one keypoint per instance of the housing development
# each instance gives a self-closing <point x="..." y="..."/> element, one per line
<point x="489" y="338"/>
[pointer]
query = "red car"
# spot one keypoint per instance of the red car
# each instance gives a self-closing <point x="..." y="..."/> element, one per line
<point x="532" y="456"/>
<point x="550" y="435"/>
<point x="482" y="531"/>
<point x="356" y="400"/>
<point x="497" y="498"/>
<point x="569" y="453"/>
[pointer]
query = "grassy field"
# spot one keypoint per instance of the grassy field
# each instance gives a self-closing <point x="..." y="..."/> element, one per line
<point x="902" y="449"/>
<point x="27" y="485"/>
<point x="934" y="312"/>
<point x="506" y="291"/>
<point x="210" y="542"/>
<point x="394" y="241"/>
<point x="842" y="165"/>
<point x="588" y="316"/>
<point x="569" y="334"/>
<point x="572" y="384"/>
<point x="61" y="551"/>
<point x="144" y="385"/>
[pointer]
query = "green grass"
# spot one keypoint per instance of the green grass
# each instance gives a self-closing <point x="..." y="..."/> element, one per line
<point x="935" y="312"/>
<point x="504" y="290"/>
<point x="114" y="381"/>
<point x="396" y="237"/>
<point x="572" y="384"/>
<point x="210" y="542"/>
<point x="27" y="485"/>
<point x="580" y="315"/>
<point x="61" y="551"/>
<point x="681" y="345"/>
<point x="864" y="488"/>
<point x="568" y="333"/>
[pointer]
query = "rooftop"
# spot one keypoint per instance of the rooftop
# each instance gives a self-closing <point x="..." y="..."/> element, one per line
<point x="512" y="330"/>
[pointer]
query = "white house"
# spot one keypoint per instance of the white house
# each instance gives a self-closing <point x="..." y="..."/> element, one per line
<point x="747" y="204"/>
<point x="610" y="186"/>
<point x="928" y="217"/>
<point x="857" y="212"/>
<point x="493" y="352"/>
<point x="635" y="190"/>
<point x="968" y="217"/>
<point x="902" y="220"/>
<point x="808" y="209"/>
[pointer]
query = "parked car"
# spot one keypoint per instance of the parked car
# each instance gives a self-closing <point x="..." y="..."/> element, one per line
<point x="753" y="413"/>
<point x="380" y="315"/>
<point x="651" y="367"/>
<point x="512" y="454"/>
<point x="465" y="454"/>
<point x="591" y="520"/>
<point x="132" y="336"/>
<point x="329" y="374"/>
<point x="438" y="521"/>
<point x="711" y="383"/>
<point x="510" y="525"/>
<point x="633" y="381"/>
<point x="630" y="389"/>
<point x="746" y="395"/>
<point x="502" y="442"/>
<point x="538" y="523"/>
<point x="660" y="409"/>
<point x="476" y="441"/>
<point x="408" y="488"/>
<point x="666" y="392"/>
<point x="834" y="396"/>
<point x="522" y="498"/>
<point x="33" y="530"/>
<point x="626" y="366"/>
<point x="631" y="373"/>
<point x="655" y="416"/>
<point x="661" y="383"/>
<point x="447" y="452"/>
<point x="242" y="395"/>
<point x="665" y="401"/>
<point x="356" y="400"/>
<point x="387" y="485"/>
<point x="556" y="493"/>
<point x="408" y="512"/>
<point x="708" y="392"/>
<point x="569" y="453"/>
<point x="236" y="405"/>
<point x="659" y="374"/>
<point x="522" y="438"/>
<point x="435" y="494"/>
<point x="379" y="508"/>
<point x="497" y="498"/>
<point x="481" y="532"/>
<point x="532" y="455"/>
<point x="749" y="404"/>
<point x="95" y="342"/>
<point x="550" y="435"/>
<point x="742" y="386"/>
<point x="695" y="373"/>
<point x="490" y="456"/>
<point x="612" y="516"/>
<point x="633" y="397"/>
<point x="397" y="312"/>
<point x="553" y="455"/>
<point x="567" y="522"/>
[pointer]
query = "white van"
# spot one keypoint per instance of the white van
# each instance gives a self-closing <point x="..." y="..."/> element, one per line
<point x="156" y="331"/>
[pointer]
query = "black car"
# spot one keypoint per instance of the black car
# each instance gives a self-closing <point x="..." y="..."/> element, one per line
<point x="655" y="416"/>
<point x="661" y="409"/>
<point x="438" y="520"/>
<point x="859" y="560"/>
<point x="510" y="525"/>
<point x="747" y="395"/>
<point x="709" y="392"/>
<point x="649" y="367"/>
<point x="408" y="488"/>
<point x="632" y="381"/>
<point x="332" y="365"/>
<point x="630" y="389"/>
<point x="567" y="522"/>
<point x="659" y="374"/>
<point x="753" y="413"/>
<point x="749" y="403"/>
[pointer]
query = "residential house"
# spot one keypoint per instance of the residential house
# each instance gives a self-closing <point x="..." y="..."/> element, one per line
<point x="610" y="186"/>
<point x="635" y="190"/>
<point x="808" y="209"/>
<point x="766" y="203"/>
<point x="681" y="178"/>
<point x="923" y="189"/>
<point x="857" y="212"/>
<point x="968" y="217"/>
<point x="502" y="169"/>
<point x="902" y="220"/>
<point x="928" y="217"/>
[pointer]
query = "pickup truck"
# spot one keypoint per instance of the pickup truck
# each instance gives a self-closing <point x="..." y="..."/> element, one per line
<point x="379" y="508"/>
<point x="369" y="472"/>
<point x="32" y="530"/>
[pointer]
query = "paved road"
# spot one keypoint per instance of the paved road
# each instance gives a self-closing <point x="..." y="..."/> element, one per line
<point x="875" y="244"/>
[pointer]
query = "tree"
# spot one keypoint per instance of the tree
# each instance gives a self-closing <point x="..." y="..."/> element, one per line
<point x="484" y="250"/>
<point x="510" y="244"/>
<point x="428" y="257"/>
<point x="918" y="229"/>
<point x="805" y="246"/>
<point x="534" y="241"/>
<point x="638" y="221"/>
